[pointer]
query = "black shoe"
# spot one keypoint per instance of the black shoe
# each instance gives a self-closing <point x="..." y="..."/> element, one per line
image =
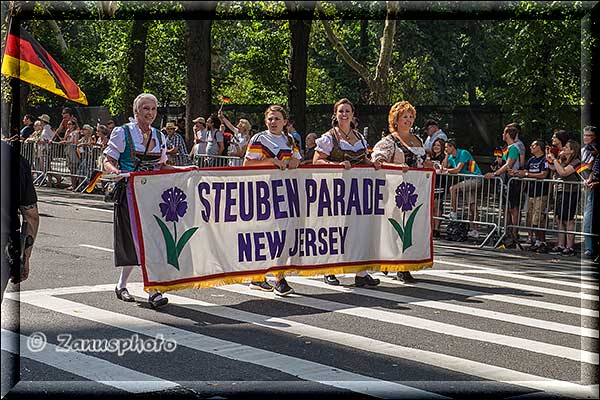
<point x="261" y="285"/>
<point x="331" y="280"/>
<point x="405" y="277"/>
<point x="360" y="281"/>
<point x="282" y="288"/>
<point x="123" y="294"/>
<point x="156" y="303"/>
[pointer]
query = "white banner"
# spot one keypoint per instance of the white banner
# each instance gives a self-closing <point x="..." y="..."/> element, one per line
<point x="202" y="228"/>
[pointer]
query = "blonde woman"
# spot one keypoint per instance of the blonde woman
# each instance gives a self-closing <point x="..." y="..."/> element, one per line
<point x="403" y="148"/>
<point x="285" y="155"/>
<point x="240" y="137"/>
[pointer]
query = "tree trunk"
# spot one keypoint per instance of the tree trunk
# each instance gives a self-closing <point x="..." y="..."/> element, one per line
<point x="298" y="66"/>
<point x="378" y="82"/>
<point x="198" y="80"/>
<point x="137" y="62"/>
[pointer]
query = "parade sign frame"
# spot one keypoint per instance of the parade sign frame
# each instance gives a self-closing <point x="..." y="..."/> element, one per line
<point x="196" y="228"/>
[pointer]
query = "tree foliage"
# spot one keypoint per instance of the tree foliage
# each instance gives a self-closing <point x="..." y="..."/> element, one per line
<point x="528" y="61"/>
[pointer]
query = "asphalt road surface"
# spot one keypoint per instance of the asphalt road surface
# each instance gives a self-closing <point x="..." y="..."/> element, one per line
<point x="483" y="323"/>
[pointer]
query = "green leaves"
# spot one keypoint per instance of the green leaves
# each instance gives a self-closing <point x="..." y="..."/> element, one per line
<point x="172" y="253"/>
<point x="405" y="233"/>
<point x="174" y="249"/>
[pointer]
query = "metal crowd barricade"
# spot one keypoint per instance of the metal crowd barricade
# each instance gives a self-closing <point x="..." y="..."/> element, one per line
<point x="34" y="153"/>
<point x="56" y="159"/>
<point x="63" y="161"/>
<point x="551" y="206"/>
<point x="206" y="160"/>
<point x="479" y="201"/>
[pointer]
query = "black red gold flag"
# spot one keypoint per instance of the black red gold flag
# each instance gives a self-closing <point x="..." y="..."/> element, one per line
<point x="26" y="59"/>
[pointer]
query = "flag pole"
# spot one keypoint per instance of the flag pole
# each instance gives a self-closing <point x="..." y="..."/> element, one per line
<point x="15" y="89"/>
<point x="14" y="366"/>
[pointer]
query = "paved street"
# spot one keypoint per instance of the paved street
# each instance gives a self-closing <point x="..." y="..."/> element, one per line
<point x="481" y="324"/>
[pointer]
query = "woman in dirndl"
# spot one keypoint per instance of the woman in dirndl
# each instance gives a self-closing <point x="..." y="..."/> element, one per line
<point x="344" y="145"/>
<point x="135" y="146"/>
<point x="402" y="147"/>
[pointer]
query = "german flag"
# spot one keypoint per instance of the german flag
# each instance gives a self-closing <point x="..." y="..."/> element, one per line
<point x="26" y="59"/>
<point x="583" y="170"/>
<point x="497" y="152"/>
<point x="93" y="182"/>
<point x="582" y="167"/>
<point x="225" y="99"/>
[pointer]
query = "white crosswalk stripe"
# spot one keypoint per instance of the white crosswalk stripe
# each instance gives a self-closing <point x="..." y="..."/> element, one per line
<point x="514" y="337"/>
<point x="93" y="368"/>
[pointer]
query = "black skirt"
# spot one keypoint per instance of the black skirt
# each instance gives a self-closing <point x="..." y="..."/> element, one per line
<point x="125" y="253"/>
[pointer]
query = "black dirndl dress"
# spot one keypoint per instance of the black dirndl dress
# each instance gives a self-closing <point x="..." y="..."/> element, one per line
<point x="125" y="246"/>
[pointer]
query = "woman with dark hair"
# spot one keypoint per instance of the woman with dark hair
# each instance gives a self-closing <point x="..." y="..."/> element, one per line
<point x="559" y="140"/>
<point x="566" y="194"/>
<point x="437" y="157"/>
<point x="344" y="145"/>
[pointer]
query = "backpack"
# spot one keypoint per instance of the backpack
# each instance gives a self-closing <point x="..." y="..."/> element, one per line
<point x="457" y="231"/>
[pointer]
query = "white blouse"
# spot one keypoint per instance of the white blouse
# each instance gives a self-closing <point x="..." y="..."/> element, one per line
<point x="387" y="150"/>
<point x="325" y="144"/>
<point x="116" y="143"/>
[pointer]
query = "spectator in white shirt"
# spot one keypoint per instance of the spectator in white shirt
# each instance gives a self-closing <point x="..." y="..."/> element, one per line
<point x="434" y="133"/>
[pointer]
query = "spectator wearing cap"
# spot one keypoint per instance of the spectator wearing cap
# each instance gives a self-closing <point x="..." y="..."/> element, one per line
<point x="176" y="148"/>
<point x="434" y="133"/>
<point x="47" y="132"/>
<point x="27" y="129"/>
<point x="200" y="137"/>
<point x="44" y="142"/>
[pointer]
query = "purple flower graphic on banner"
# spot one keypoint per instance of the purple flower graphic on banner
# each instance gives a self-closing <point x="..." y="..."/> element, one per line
<point x="173" y="207"/>
<point x="405" y="196"/>
<point x="406" y="199"/>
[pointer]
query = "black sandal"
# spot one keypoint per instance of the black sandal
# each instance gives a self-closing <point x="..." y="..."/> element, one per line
<point x="157" y="303"/>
